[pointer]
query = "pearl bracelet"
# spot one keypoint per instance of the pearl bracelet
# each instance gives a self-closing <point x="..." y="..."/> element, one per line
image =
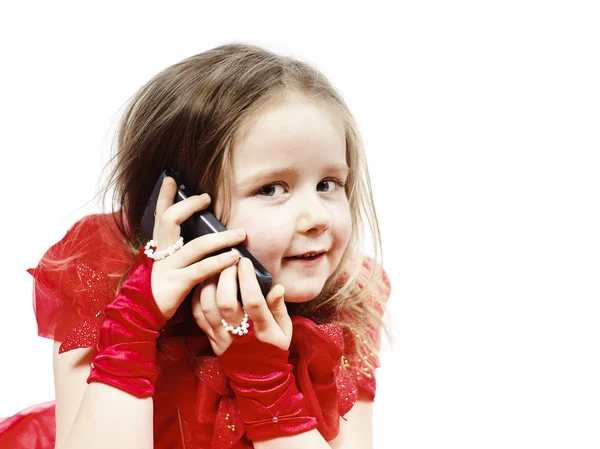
<point x="159" y="255"/>
<point x="241" y="329"/>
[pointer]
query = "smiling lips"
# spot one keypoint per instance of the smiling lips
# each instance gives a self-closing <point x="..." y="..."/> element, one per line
<point x="307" y="260"/>
<point x="308" y="254"/>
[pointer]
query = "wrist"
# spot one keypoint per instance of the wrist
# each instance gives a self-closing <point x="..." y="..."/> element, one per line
<point x="126" y="349"/>
<point x="268" y="399"/>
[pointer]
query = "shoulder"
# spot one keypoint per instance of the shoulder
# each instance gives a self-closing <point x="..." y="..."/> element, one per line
<point x="87" y="232"/>
<point x="93" y="240"/>
<point x="371" y="267"/>
<point x="77" y="276"/>
<point x="92" y="237"/>
<point x="371" y="287"/>
<point x="368" y="272"/>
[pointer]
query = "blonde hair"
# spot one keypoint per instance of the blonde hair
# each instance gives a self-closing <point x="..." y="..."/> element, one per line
<point x="188" y="116"/>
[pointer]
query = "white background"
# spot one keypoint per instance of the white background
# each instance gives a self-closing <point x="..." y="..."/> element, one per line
<point x="481" y="122"/>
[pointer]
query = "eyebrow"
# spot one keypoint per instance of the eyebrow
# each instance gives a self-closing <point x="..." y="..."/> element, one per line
<point x="287" y="171"/>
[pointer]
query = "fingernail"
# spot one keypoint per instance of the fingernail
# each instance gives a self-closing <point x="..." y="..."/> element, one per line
<point x="230" y="256"/>
<point x="240" y="232"/>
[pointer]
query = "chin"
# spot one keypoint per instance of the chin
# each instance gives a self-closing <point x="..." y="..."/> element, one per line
<point x="299" y="294"/>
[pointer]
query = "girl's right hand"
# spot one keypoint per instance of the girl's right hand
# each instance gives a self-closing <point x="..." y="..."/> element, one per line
<point x="174" y="276"/>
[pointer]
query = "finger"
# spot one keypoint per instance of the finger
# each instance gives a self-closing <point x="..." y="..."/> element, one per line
<point x="253" y="299"/>
<point x="206" y="244"/>
<point x="199" y="315"/>
<point x="165" y="198"/>
<point x="229" y="307"/>
<point x="168" y="219"/>
<point x="208" y="303"/>
<point x="199" y="271"/>
<point x="276" y="304"/>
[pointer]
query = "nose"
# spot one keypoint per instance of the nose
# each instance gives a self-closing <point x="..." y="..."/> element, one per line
<point x="313" y="214"/>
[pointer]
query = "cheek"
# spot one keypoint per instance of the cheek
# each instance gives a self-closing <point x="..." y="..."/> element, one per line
<point x="343" y="226"/>
<point x="266" y="238"/>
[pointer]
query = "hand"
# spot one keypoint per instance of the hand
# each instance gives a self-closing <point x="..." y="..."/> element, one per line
<point x="216" y="299"/>
<point x="256" y="364"/>
<point x="174" y="276"/>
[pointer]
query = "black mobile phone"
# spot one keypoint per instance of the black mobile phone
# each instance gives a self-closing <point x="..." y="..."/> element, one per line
<point x="200" y="223"/>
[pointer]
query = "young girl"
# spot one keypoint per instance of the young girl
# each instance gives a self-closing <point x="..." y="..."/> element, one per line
<point x="152" y="347"/>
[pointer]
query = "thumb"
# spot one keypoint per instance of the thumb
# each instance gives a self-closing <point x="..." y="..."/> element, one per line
<point x="276" y="304"/>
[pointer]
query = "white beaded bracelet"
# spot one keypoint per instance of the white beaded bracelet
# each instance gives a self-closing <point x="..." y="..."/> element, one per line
<point x="159" y="255"/>
<point x="241" y="329"/>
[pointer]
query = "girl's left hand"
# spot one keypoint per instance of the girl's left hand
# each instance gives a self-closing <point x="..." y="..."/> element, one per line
<point x="216" y="299"/>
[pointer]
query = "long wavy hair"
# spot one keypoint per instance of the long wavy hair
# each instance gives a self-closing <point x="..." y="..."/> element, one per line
<point x="188" y="115"/>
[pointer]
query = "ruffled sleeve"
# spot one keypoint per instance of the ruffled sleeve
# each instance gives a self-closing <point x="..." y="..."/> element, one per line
<point x="379" y="298"/>
<point x="76" y="279"/>
<point x="360" y="374"/>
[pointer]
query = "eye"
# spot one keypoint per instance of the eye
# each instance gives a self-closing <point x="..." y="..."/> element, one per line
<point x="334" y="183"/>
<point x="327" y="186"/>
<point x="268" y="190"/>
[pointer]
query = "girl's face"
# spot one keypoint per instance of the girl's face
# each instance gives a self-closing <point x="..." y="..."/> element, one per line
<point x="287" y="193"/>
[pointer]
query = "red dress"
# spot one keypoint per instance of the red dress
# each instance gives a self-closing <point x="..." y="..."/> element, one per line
<point x="194" y="407"/>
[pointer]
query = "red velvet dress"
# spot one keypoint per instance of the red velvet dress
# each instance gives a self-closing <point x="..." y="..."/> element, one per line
<point x="194" y="406"/>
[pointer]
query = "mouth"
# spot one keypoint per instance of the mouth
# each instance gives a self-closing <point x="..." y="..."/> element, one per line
<point x="308" y="257"/>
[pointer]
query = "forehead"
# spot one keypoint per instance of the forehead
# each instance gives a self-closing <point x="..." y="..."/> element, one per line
<point x="298" y="132"/>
